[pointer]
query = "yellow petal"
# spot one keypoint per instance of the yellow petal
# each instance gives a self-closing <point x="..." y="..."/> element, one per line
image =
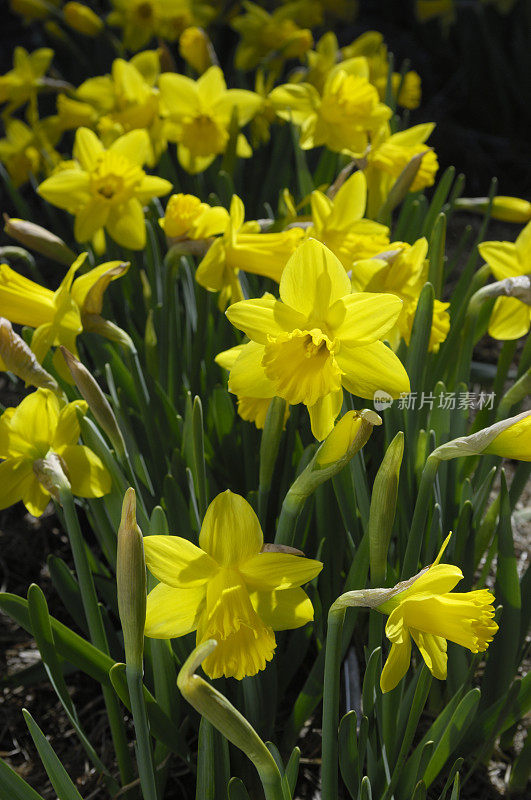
<point x="152" y="186"/>
<point x="211" y="86"/>
<point x="263" y="317"/>
<point x="502" y="258"/>
<point x="283" y="610"/>
<point x="523" y="246"/>
<point x="321" y="207"/>
<point x="433" y="651"/>
<point x="247" y="104"/>
<point x="173" y="612"/>
<point x="323" y="414"/>
<point x="179" y="95"/>
<point x="510" y="319"/>
<point x="513" y="442"/>
<point x="15" y="474"/>
<point x="35" y="497"/>
<point x="372" y="368"/>
<point x="295" y="101"/>
<point x="247" y="377"/>
<point x="87" y="148"/>
<point x="86" y="473"/>
<point x="35" y="421"/>
<point x="127" y="226"/>
<point x="368" y="317"/>
<point x="134" y="146"/>
<point x="212" y="221"/>
<point x="90" y="219"/>
<point x="313" y="280"/>
<point x="396" y="665"/>
<point x="278" y="571"/>
<point x="88" y="289"/>
<point x="231" y="532"/>
<point x="349" y="202"/>
<point x="177" y="562"/>
<point x="23" y="301"/>
<point x="67" y="430"/>
<point x="42" y="340"/>
<point x="68" y="189"/>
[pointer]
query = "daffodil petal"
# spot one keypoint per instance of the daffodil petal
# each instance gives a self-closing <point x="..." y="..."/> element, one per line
<point x="42" y="340"/>
<point x="35" y="419"/>
<point x="231" y="532"/>
<point x="247" y="377"/>
<point x="247" y="104"/>
<point x="152" y="186"/>
<point x="14" y="476"/>
<point x="321" y="207"/>
<point x="179" y="95"/>
<point x="396" y="665"/>
<point x="313" y="279"/>
<point x="90" y="219"/>
<point x="371" y="368"/>
<point x="349" y="202"/>
<point x="283" y="610"/>
<point x="88" y="289"/>
<point x="127" y="226"/>
<point x="23" y="301"/>
<point x="87" y="148"/>
<point x="178" y="562"/>
<point x="67" y="430"/>
<point x="134" y="146"/>
<point x="510" y="319"/>
<point x="264" y="316"/>
<point x="324" y="412"/>
<point x="438" y="579"/>
<point x="269" y="571"/>
<point x="86" y="472"/>
<point x="211" y="86"/>
<point x="433" y="651"/>
<point x="35" y="497"/>
<point x="368" y="317"/>
<point x="502" y="258"/>
<point x="67" y="189"/>
<point x="523" y="245"/>
<point x="173" y="612"/>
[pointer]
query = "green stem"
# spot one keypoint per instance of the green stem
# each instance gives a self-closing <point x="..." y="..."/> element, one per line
<point x="96" y="631"/>
<point x="291" y="508"/>
<point x="420" y="515"/>
<point x="269" y="447"/>
<point x="329" y="768"/>
<point x="143" y="743"/>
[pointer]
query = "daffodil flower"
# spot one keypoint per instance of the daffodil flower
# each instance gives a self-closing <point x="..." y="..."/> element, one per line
<point x="107" y="188"/>
<point x="403" y="271"/>
<point x="390" y="153"/>
<point x="199" y="114"/>
<point x="187" y="217"/>
<point x="227" y="589"/>
<point x="339" y="223"/>
<point x="511" y="317"/>
<point x="276" y="35"/>
<point x="27" y="76"/>
<point x="430" y="614"/>
<point x="141" y="20"/>
<point x="38" y="426"/>
<point x="58" y="317"/>
<point x="26" y="150"/>
<point x="342" y="117"/>
<point x="243" y="247"/>
<point x="318" y="339"/>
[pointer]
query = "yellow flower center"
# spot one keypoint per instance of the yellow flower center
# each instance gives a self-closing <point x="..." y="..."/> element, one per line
<point x="114" y="179"/>
<point x="349" y="99"/>
<point x="301" y="365"/>
<point x="203" y="136"/>
<point x="245" y="643"/>
<point x="181" y="212"/>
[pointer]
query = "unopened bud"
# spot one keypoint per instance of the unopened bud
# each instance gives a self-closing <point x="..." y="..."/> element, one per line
<point x="196" y="49"/>
<point x="510" y="438"/>
<point x="82" y="19"/>
<point x="507" y="209"/>
<point x="39" y="239"/>
<point x="90" y="390"/>
<point x="17" y="357"/>
<point x="383" y="507"/>
<point x="131" y="582"/>
<point x="347" y="437"/>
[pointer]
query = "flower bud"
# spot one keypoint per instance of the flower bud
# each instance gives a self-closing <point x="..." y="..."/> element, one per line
<point x="507" y="209"/>
<point x="196" y="49"/>
<point x="39" y="239"/>
<point x="17" y="357"/>
<point x="82" y="19"/>
<point x="131" y="582"/>
<point x="31" y="9"/>
<point x="97" y="402"/>
<point x="383" y="507"/>
<point x="510" y="438"/>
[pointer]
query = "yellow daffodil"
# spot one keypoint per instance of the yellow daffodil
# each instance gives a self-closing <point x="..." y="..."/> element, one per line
<point x="27" y="76"/>
<point x="403" y="271"/>
<point x="339" y="223"/>
<point x="227" y="589"/>
<point x="243" y="247"/>
<point x="390" y="153"/>
<point x="508" y="438"/>
<point x="141" y="20"/>
<point x="316" y="340"/>
<point x="107" y="188"/>
<point x="276" y="35"/>
<point x="199" y="114"/>
<point x="342" y="117"/>
<point x="251" y="409"/>
<point x="187" y="217"/>
<point x="58" y="317"/>
<point x="26" y="150"/>
<point x="511" y="317"/>
<point x="265" y="116"/>
<point x="429" y="613"/>
<point x="40" y="424"/>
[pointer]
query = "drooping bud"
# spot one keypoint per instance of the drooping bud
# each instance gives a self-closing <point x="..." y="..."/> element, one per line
<point x="39" y="239"/>
<point x="17" y="357"/>
<point x="131" y="582"/>
<point x="90" y="390"/>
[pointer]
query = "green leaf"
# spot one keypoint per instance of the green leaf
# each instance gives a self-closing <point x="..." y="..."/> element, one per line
<point x="14" y="786"/>
<point x="370" y="681"/>
<point x="436" y="255"/>
<point x="454" y="732"/>
<point x="503" y="651"/>
<point x="438" y="200"/>
<point x="348" y="753"/>
<point x="451" y="777"/>
<point x="292" y="770"/>
<point x="69" y="645"/>
<point x="304" y="177"/>
<point x="212" y="763"/>
<point x="420" y="337"/>
<point x="365" y="789"/>
<point x="68" y="590"/>
<point x="161" y="726"/>
<point x="236" y="790"/>
<point x="420" y="792"/>
<point x="63" y="786"/>
<point x="456" y="791"/>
